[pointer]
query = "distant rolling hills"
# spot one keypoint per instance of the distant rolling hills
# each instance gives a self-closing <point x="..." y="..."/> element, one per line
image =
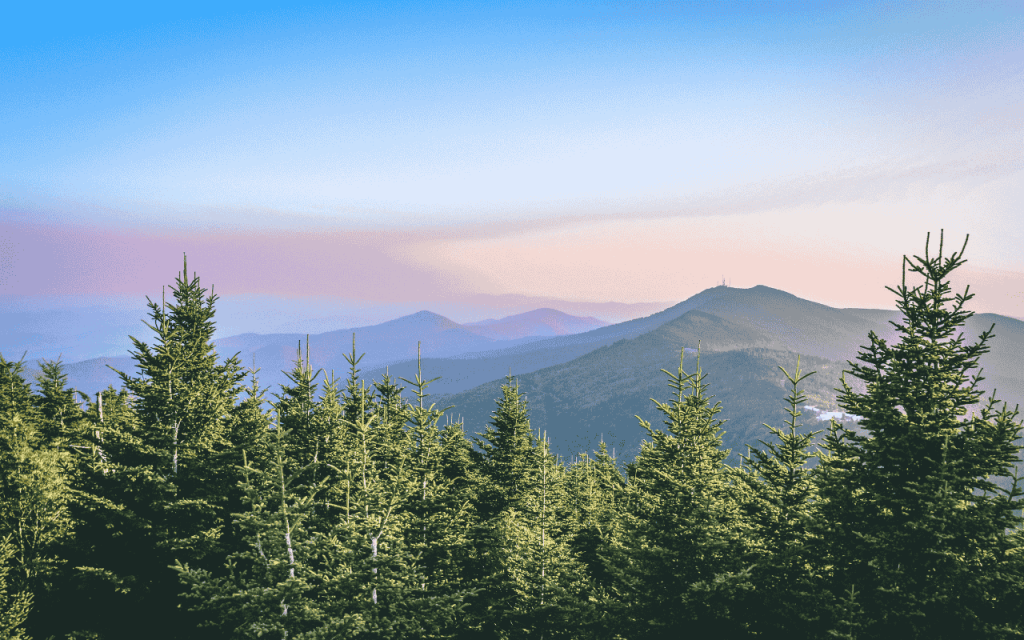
<point x="585" y="379"/>
<point x="745" y="335"/>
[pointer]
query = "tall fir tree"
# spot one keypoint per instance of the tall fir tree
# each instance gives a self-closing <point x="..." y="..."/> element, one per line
<point x="914" y="524"/>
<point x="505" y="457"/>
<point x="432" y="523"/>
<point x="275" y="580"/>
<point x="595" y="502"/>
<point x="184" y="400"/>
<point x="389" y="579"/>
<point x="528" y="579"/>
<point x="677" y="569"/>
<point x="107" y="557"/>
<point x="779" y="501"/>
<point x="35" y="496"/>
<point x="15" y="393"/>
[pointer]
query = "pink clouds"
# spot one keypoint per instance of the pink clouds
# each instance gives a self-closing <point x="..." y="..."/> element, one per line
<point x="81" y="259"/>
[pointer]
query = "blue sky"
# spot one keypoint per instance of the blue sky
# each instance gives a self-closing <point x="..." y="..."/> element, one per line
<point x="578" y="145"/>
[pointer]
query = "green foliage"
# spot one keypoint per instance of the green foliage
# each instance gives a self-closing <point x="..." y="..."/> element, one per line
<point x="170" y="464"/>
<point x="315" y="566"/>
<point x="60" y="414"/>
<point x="779" y="498"/>
<point x="15" y="394"/>
<point x="269" y="589"/>
<point x="183" y="395"/>
<point x="507" y="445"/>
<point x="914" y="522"/>
<point x="530" y="582"/>
<point x="677" y="567"/>
<point x="358" y="515"/>
<point x="14" y="606"/>
<point x="35" y="496"/>
<point x="295" y="405"/>
<point x="595" y="497"/>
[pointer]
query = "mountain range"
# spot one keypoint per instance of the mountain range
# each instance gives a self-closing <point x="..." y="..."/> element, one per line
<point x="585" y="380"/>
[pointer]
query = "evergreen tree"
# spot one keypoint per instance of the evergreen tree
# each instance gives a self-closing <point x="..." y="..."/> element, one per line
<point x="595" y="501"/>
<point x="296" y="405"/>
<point x="505" y="458"/>
<point x="34" y="496"/>
<point x="15" y="393"/>
<point x="456" y="509"/>
<point x="183" y="396"/>
<point x="60" y="414"/>
<point x="530" y="583"/>
<point x="917" y="527"/>
<point x="34" y="500"/>
<point x="779" y="504"/>
<point x="272" y="585"/>
<point x="358" y="405"/>
<point x="14" y="605"/>
<point x="388" y="583"/>
<point x="250" y="427"/>
<point x="393" y="413"/>
<point x="180" y="458"/>
<point x="677" y="569"/>
<point x="249" y="430"/>
<point x="436" y="522"/>
<point x="106" y="581"/>
<point x="333" y="443"/>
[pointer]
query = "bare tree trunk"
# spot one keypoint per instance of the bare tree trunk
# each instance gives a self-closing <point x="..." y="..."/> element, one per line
<point x="374" y="543"/>
<point x="543" y="511"/>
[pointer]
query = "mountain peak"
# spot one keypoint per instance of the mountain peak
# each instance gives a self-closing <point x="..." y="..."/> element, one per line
<point x="424" y="318"/>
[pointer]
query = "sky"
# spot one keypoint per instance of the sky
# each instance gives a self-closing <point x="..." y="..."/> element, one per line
<point x="384" y="154"/>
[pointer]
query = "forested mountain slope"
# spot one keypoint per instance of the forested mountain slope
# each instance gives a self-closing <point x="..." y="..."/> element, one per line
<point x="180" y="506"/>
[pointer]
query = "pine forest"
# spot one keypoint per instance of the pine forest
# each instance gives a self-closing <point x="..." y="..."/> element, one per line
<point x="178" y="507"/>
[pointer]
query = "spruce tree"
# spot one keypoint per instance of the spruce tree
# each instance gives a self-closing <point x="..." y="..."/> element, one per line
<point x="456" y="509"/>
<point x="296" y="405"/>
<point x="333" y="439"/>
<point x="14" y="604"/>
<point x="677" y="570"/>
<point x="60" y="414"/>
<point x="250" y="426"/>
<point x="16" y="396"/>
<point x="528" y="579"/>
<point x="506" y="451"/>
<point x="360" y="405"/>
<point x="272" y="582"/>
<point x="916" y="526"/>
<point x="394" y="414"/>
<point x="182" y="457"/>
<point x="779" y="504"/>
<point x="387" y="583"/>
<point x="35" y="497"/>
<point x="108" y="557"/>
<point x="595" y="502"/>
<point x="437" y="525"/>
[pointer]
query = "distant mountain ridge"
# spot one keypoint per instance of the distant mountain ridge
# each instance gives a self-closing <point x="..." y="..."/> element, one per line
<point x="582" y="387"/>
<point x="392" y="341"/>
<point x="744" y="336"/>
<point x="539" y="322"/>
<point x="82" y="327"/>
